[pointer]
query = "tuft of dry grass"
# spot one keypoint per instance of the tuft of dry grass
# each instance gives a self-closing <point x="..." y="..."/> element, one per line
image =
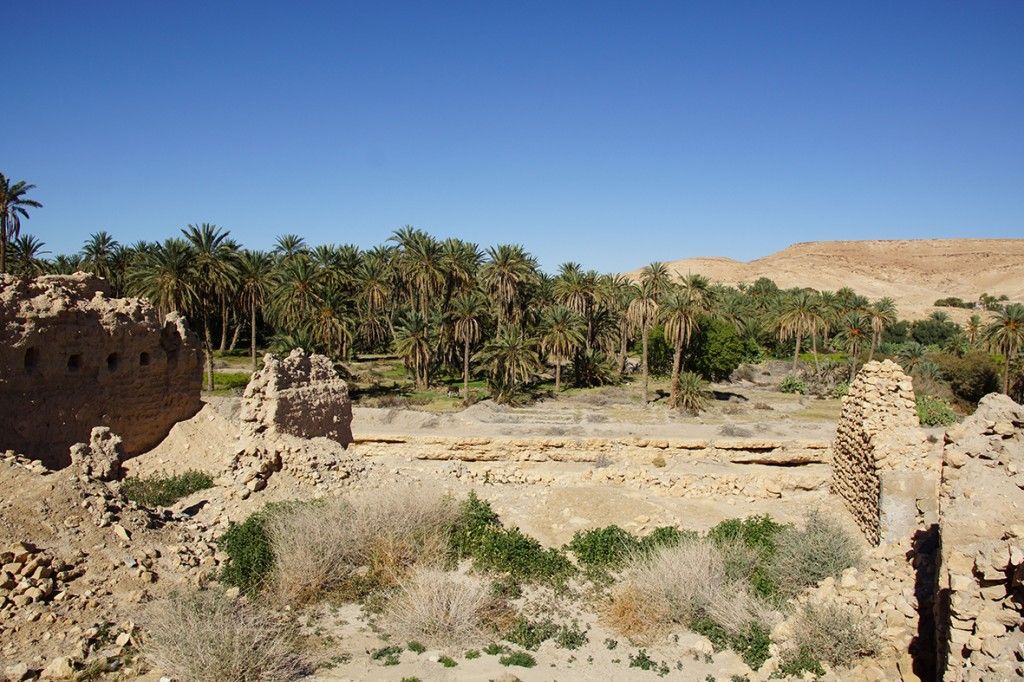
<point x="678" y="585"/>
<point x="833" y="633"/>
<point x="372" y="539"/>
<point x="444" y="609"/>
<point x="804" y="557"/>
<point x="207" y="637"/>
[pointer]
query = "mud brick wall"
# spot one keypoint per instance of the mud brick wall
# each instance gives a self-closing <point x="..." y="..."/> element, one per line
<point x="300" y="395"/>
<point x="72" y="358"/>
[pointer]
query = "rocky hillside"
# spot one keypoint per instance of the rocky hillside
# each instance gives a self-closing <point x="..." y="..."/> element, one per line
<point x="914" y="272"/>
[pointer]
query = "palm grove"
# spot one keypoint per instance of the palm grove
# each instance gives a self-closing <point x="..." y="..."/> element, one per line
<point x="449" y="308"/>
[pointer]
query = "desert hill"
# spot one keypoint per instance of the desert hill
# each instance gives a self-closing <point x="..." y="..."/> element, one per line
<point x="914" y="272"/>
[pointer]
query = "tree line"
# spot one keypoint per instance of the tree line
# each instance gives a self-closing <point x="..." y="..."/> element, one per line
<point x="450" y="306"/>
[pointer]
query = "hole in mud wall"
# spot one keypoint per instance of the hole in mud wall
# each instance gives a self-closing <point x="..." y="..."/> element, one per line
<point x="75" y="362"/>
<point x="112" y="361"/>
<point x="143" y="359"/>
<point x="31" y="359"/>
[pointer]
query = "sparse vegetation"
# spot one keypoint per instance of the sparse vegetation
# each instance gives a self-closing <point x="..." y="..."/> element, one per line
<point x="805" y="557"/>
<point x="205" y="636"/>
<point x="793" y="384"/>
<point x="933" y="411"/>
<point x="161" y="490"/>
<point x="518" y="658"/>
<point x="831" y="633"/>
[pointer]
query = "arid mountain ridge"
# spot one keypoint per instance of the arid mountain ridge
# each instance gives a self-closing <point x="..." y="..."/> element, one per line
<point x="914" y="272"/>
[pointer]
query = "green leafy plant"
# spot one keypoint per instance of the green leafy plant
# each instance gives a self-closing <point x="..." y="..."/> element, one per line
<point x="163" y="491"/>
<point x="603" y="547"/>
<point x="472" y="654"/>
<point x="447" y="661"/>
<point x="415" y="647"/>
<point x="642" y="660"/>
<point x="793" y="384"/>
<point x="519" y="658"/>
<point x="387" y="655"/>
<point x="933" y="411"/>
<point x="570" y="636"/>
<point x="531" y="634"/>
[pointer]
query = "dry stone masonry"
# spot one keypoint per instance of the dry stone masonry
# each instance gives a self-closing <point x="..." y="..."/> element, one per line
<point x="72" y="358"/>
<point x="980" y="591"/>
<point x="882" y="464"/>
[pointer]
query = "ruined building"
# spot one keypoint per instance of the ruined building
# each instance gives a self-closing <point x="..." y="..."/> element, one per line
<point x="72" y="358"/>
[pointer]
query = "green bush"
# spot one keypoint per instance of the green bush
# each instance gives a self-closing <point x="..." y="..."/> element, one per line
<point x="531" y="634"/>
<point x="603" y="547"/>
<point x="753" y="644"/>
<point x="759" y="535"/>
<point x="247" y="544"/>
<point x="519" y="658"/>
<point x="479" y="535"/>
<point x="163" y="491"/>
<point x="571" y="636"/>
<point x="692" y="392"/>
<point x="970" y="377"/>
<point x="934" y="411"/>
<point x="796" y="662"/>
<point x="840" y="390"/>
<point x="665" y="536"/>
<point x="793" y="384"/>
<point x="716" y="350"/>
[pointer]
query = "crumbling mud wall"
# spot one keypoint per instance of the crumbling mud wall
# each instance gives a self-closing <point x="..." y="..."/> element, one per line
<point x="300" y="395"/>
<point x="288" y="400"/>
<point x="71" y="359"/>
<point x="980" y="590"/>
<point x="882" y="464"/>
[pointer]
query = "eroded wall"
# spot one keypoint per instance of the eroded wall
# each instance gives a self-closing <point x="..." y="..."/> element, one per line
<point x="980" y="591"/>
<point x="72" y="358"/>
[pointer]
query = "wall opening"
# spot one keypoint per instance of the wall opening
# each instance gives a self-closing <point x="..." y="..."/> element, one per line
<point x="75" y="362"/>
<point x="112" y="361"/>
<point x="143" y="359"/>
<point x="31" y="359"/>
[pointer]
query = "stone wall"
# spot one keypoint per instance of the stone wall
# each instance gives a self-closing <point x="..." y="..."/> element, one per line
<point x="71" y="358"/>
<point x="980" y="590"/>
<point x="882" y="465"/>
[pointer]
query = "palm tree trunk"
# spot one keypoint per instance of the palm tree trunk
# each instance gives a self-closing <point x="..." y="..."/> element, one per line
<point x="252" y="333"/>
<point x="644" y="363"/>
<point x="465" y="373"/>
<point x="677" y="363"/>
<point x="814" y="349"/>
<point x="874" y="340"/>
<point x="3" y="250"/>
<point x="1006" y="372"/>
<point x="796" y="354"/>
<point x="235" y="336"/>
<point x="623" y="342"/>
<point x="223" y="323"/>
<point x="558" y="375"/>
<point x="208" y="349"/>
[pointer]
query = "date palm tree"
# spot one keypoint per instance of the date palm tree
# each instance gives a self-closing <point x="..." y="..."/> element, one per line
<point x="974" y="329"/>
<point x="880" y="315"/>
<point x="165" y="275"/>
<point x="510" y="361"/>
<point x="506" y="276"/>
<point x="561" y="335"/>
<point x="214" y="270"/>
<point x="680" y="312"/>
<point x="468" y="314"/>
<point x="851" y="333"/>
<point x="419" y="266"/>
<point x="798" y="317"/>
<point x="14" y="207"/>
<point x="26" y="256"/>
<point x="1005" y="334"/>
<point x="98" y="253"/>
<point x="255" y="280"/>
<point x="288" y="246"/>
<point x="414" y="343"/>
<point x="296" y="293"/>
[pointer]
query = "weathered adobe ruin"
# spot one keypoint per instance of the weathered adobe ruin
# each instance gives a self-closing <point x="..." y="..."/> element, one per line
<point x="72" y="358"/>
<point x="287" y="400"/>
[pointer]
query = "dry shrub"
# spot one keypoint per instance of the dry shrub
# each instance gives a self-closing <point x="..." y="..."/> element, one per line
<point x="682" y="584"/>
<point x="833" y="633"/>
<point x="374" y="537"/>
<point x="444" y="609"/>
<point x="805" y="557"/>
<point x="207" y="637"/>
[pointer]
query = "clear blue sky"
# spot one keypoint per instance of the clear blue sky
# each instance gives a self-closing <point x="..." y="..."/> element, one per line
<point x="610" y="133"/>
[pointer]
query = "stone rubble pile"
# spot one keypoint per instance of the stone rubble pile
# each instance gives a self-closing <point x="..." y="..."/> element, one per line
<point x="980" y="586"/>
<point x="29" y="575"/>
<point x="100" y="458"/>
